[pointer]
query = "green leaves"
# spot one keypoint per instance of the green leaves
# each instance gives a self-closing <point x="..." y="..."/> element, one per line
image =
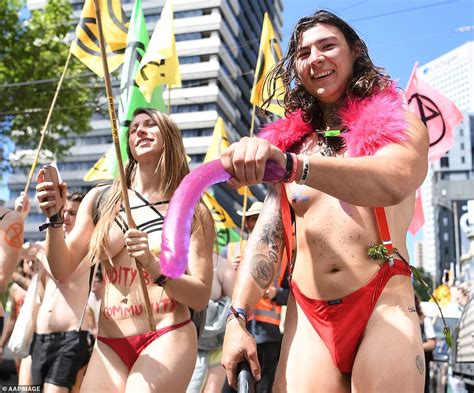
<point x="33" y="52"/>
<point x="378" y="252"/>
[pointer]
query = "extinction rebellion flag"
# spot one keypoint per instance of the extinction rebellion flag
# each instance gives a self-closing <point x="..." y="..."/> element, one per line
<point x="86" y="46"/>
<point x="439" y="114"/>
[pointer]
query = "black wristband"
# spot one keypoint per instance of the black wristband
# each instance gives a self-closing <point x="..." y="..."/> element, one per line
<point x="161" y="280"/>
<point x="288" y="167"/>
<point x="55" y="221"/>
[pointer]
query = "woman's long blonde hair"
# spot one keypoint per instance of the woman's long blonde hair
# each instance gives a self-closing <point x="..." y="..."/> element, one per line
<point x="172" y="167"/>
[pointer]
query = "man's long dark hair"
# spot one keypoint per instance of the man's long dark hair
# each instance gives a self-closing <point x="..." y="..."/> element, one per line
<point x="367" y="77"/>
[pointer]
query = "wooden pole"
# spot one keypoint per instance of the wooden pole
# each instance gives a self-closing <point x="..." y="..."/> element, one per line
<point x="115" y="137"/>
<point x="244" y="205"/>
<point x="46" y="124"/>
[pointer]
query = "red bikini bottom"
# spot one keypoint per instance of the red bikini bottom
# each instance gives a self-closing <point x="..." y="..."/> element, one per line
<point x="341" y="322"/>
<point x="129" y="348"/>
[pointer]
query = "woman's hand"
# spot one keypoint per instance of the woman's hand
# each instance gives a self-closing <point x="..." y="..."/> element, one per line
<point x="245" y="160"/>
<point x="138" y="248"/>
<point x="51" y="197"/>
<point x="239" y="345"/>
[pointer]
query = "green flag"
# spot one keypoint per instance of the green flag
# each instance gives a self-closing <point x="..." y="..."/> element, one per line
<point x="130" y="96"/>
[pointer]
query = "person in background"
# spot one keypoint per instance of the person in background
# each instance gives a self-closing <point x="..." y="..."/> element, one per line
<point x="96" y="295"/>
<point x="209" y="376"/>
<point x="11" y="241"/>
<point x="21" y="278"/>
<point x="59" y="347"/>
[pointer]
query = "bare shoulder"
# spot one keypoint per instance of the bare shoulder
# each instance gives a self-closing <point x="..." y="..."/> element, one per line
<point x="11" y="232"/>
<point x="10" y="216"/>
<point x="417" y="131"/>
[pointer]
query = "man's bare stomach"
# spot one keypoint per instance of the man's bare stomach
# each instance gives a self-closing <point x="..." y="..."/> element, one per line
<point x="61" y="312"/>
<point x="332" y="240"/>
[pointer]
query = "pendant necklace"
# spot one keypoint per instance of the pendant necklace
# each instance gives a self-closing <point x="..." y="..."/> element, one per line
<point x="329" y="147"/>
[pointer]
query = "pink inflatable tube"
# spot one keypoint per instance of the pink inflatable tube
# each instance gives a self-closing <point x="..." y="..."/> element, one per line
<point x="178" y="220"/>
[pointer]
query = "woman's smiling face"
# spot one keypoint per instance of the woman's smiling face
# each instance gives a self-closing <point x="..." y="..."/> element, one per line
<point x="324" y="62"/>
<point x="144" y="136"/>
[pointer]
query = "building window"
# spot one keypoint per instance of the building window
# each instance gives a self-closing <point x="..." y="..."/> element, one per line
<point x="445" y="221"/>
<point x="461" y="132"/>
<point x="463" y="160"/>
<point x="461" y="146"/>
<point x="187" y="14"/>
<point x="445" y="236"/>
<point x="444" y="162"/>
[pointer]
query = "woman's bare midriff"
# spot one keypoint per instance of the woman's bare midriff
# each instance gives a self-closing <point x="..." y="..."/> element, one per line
<point x="123" y="311"/>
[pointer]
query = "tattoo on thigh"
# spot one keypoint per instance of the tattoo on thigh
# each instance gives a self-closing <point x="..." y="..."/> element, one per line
<point x="420" y="364"/>
<point x="262" y="270"/>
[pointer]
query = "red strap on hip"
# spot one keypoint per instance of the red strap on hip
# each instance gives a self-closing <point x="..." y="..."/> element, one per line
<point x="384" y="232"/>
<point x="287" y="224"/>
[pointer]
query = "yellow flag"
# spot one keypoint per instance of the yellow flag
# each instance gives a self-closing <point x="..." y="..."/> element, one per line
<point x="219" y="143"/>
<point x="86" y="45"/>
<point x="101" y="169"/>
<point x="222" y="219"/>
<point x="160" y="65"/>
<point x="268" y="54"/>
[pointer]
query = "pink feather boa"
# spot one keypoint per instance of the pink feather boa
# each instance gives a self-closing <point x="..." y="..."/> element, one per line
<point x="372" y="123"/>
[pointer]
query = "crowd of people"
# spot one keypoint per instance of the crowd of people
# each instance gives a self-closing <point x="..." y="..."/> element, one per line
<point x="327" y="245"/>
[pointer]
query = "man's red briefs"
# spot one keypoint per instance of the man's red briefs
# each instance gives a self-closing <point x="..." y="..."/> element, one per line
<point x="129" y="348"/>
<point x="341" y="322"/>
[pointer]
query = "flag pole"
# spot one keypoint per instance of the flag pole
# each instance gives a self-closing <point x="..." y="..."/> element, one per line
<point x="46" y="124"/>
<point x="244" y="205"/>
<point x="169" y="99"/>
<point x="115" y="137"/>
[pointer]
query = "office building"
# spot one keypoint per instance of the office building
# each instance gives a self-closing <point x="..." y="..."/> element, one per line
<point x="217" y="43"/>
<point x="450" y="182"/>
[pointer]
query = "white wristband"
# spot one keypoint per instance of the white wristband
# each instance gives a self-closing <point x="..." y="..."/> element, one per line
<point x="305" y="171"/>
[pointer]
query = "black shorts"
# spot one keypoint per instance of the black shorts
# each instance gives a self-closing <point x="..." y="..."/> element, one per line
<point x="57" y="357"/>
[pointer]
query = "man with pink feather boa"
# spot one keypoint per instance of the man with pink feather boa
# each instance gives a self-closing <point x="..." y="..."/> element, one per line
<point x="354" y="158"/>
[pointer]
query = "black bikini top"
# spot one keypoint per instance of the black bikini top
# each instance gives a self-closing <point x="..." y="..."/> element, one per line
<point x="153" y="225"/>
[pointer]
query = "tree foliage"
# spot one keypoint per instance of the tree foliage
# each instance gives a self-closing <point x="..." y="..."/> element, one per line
<point x="33" y="51"/>
<point x="420" y="289"/>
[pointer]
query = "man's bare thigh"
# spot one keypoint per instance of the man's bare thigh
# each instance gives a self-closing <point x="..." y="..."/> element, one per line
<point x="390" y="357"/>
<point x="305" y="362"/>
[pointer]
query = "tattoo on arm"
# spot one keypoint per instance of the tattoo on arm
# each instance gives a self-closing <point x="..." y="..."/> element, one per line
<point x="14" y="235"/>
<point x="420" y="364"/>
<point x="262" y="270"/>
<point x="269" y="242"/>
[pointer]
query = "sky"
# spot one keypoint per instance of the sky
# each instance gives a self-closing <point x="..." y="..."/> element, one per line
<point x="397" y="32"/>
